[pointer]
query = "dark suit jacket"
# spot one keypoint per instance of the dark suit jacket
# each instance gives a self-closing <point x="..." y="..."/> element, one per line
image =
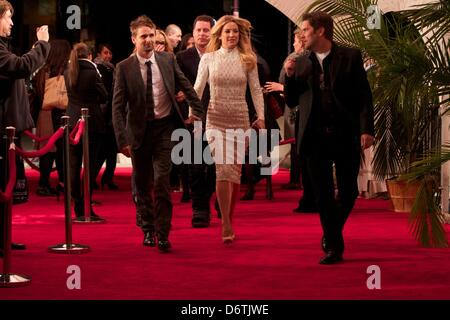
<point x="129" y="103"/>
<point x="14" y="104"/>
<point x="188" y="60"/>
<point x="88" y="93"/>
<point x="349" y="85"/>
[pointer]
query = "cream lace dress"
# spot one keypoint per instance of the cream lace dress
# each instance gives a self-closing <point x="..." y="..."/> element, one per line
<point x="227" y="109"/>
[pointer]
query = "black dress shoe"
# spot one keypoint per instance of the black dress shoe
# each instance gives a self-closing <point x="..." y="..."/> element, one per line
<point x="149" y="239"/>
<point x="331" y="257"/>
<point x="14" y="246"/>
<point x="46" y="191"/>
<point x="18" y="246"/>
<point x="305" y="209"/>
<point x="186" y="197"/>
<point x="164" y="246"/>
<point x="111" y="185"/>
<point x="200" y="220"/>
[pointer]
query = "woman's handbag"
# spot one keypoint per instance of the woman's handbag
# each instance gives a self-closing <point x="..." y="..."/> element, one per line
<point x="55" y="94"/>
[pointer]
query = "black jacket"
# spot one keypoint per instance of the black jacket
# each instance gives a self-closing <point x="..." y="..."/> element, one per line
<point x="14" y="104"/>
<point x="88" y="93"/>
<point x="349" y="86"/>
<point x="188" y="60"/>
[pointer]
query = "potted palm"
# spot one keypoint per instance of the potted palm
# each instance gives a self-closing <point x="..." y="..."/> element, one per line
<point x="411" y="69"/>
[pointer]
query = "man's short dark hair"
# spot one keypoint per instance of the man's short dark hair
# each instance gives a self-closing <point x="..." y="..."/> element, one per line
<point x="318" y="19"/>
<point x="141" y="21"/>
<point x="103" y="45"/>
<point x="205" y="18"/>
<point x="5" y="6"/>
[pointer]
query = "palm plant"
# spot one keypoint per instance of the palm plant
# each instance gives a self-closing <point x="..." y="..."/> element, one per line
<point x="411" y="77"/>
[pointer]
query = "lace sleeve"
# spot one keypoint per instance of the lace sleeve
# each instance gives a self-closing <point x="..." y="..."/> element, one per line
<point x="256" y="91"/>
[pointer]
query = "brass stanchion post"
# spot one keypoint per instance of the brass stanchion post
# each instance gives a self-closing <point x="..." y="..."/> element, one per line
<point x="68" y="246"/>
<point x="8" y="279"/>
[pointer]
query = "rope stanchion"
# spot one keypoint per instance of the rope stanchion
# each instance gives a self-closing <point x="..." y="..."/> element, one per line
<point x="8" y="279"/>
<point x="77" y="132"/>
<point x="68" y="246"/>
<point x="35" y="137"/>
<point x="7" y="195"/>
<point x="287" y="141"/>
<point x="86" y="176"/>
<point x="39" y="153"/>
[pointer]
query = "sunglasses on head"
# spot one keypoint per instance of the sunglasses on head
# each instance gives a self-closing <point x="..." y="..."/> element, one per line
<point x="161" y="42"/>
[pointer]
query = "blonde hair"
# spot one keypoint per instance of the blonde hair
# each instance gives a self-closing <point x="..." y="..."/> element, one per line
<point x="167" y="45"/>
<point x="248" y="57"/>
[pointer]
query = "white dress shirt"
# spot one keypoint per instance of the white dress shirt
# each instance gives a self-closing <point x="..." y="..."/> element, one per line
<point x="161" y="98"/>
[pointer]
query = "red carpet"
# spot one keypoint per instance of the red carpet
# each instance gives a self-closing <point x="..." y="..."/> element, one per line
<point x="275" y="255"/>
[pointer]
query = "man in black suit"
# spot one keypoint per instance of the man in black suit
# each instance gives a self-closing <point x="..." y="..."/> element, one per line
<point x="335" y="123"/>
<point x="14" y="104"/>
<point x="145" y="113"/>
<point x="202" y="177"/>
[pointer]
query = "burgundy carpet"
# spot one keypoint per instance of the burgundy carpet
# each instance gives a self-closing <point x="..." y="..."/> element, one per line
<point x="275" y="255"/>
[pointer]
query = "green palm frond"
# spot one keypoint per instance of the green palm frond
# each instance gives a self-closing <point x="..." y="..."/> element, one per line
<point x="426" y="221"/>
<point x="433" y="18"/>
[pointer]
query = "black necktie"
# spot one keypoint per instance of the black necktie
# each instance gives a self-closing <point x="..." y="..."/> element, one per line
<point x="149" y="92"/>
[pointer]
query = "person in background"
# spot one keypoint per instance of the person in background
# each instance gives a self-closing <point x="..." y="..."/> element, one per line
<point x="85" y="89"/>
<point x="187" y="41"/>
<point x="201" y="175"/>
<point x="292" y="125"/>
<point x="162" y="42"/>
<point x="48" y="121"/>
<point x="14" y="103"/>
<point x="174" y="34"/>
<point x="109" y="150"/>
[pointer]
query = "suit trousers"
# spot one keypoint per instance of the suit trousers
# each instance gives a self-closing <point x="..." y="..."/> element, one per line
<point x="341" y="152"/>
<point x="202" y="179"/>
<point x="152" y="164"/>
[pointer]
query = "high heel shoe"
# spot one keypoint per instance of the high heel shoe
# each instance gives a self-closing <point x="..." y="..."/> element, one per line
<point x="228" y="239"/>
<point x="111" y="185"/>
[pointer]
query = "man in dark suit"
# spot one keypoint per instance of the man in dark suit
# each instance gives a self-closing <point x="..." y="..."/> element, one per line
<point x="201" y="176"/>
<point x="14" y="104"/>
<point x="335" y="123"/>
<point x="145" y="113"/>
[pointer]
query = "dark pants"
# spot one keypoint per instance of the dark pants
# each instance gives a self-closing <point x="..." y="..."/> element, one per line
<point x="294" y="172"/>
<point x="344" y="152"/>
<point x="45" y="168"/>
<point x="152" y="164"/>
<point x="108" y="154"/>
<point x="307" y="201"/>
<point x="76" y="160"/>
<point x="202" y="179"/>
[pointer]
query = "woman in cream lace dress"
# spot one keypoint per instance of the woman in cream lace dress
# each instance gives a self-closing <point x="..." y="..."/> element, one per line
<point x="228" y="67"/>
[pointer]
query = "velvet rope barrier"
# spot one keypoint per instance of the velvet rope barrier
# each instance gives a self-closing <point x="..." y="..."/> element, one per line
<point x="35" y="137"/>
<point x="287" y="141"/>
<point x="7" y="195"/>
<point x="39" y="153"/>
<point x="77" y="132"/>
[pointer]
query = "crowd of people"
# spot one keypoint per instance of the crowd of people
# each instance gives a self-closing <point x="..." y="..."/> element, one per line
<point x="213" y="75"/>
